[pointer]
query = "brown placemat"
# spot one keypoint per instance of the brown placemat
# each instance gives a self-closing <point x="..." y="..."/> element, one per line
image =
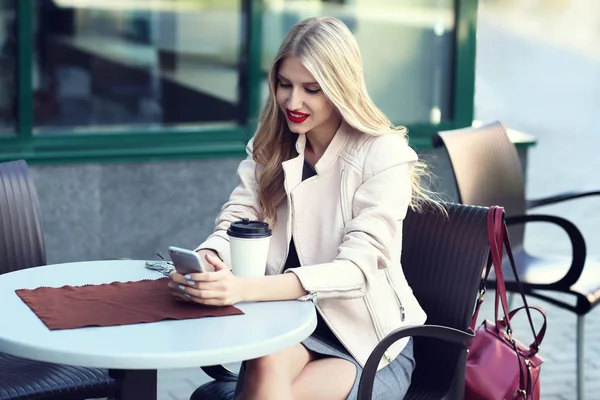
<point x="110" y="304"/>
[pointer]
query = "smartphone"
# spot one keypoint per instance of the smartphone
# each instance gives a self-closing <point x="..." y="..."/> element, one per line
<point x="185" y="261"/>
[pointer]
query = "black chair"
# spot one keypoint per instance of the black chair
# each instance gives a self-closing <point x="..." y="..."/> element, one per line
<point x="22" y="246"/>
<point x="443" y="259"/>
<point x="488" y="171"/>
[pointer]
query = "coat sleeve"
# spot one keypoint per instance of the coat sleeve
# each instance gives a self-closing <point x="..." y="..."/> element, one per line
<point x="372" y="238"/>
<point x="243" y="203"/>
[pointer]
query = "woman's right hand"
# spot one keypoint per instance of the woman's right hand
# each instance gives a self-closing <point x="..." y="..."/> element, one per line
<point x="208" y="267"/>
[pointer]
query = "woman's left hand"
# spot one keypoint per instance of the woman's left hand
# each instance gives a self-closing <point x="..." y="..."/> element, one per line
<point x="218" y="288"/>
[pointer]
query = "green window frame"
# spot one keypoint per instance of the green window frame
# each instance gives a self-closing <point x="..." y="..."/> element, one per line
<point x="206" y="141"/>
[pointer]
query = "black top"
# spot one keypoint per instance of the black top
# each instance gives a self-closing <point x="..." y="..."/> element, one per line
<point x="322" y="331"/>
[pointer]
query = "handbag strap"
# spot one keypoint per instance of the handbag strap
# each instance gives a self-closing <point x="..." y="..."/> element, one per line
<point x="494" y="233"/>
<point x="537" y="338"/>
<point x="541" y="333"/>
<point x="498" y="236"/>
<point x="482" y="290"/>
<point x="493" y="243"/>
<point x="498" y="239"/>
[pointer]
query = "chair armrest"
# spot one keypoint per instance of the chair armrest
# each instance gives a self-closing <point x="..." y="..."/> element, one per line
<point x="577" y="243"/>
<point x="220" y="373"/>
<point x="365" y="387"/>
<point x="576" y="194"/>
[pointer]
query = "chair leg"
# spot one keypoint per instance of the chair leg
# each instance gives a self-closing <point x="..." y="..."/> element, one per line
<point x="580" y="358"/>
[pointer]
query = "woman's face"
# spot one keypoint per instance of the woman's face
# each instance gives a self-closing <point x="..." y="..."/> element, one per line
<point x="303" y="103"/>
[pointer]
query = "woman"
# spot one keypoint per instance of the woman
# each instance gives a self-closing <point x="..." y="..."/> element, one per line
<point x="334" y="180"/>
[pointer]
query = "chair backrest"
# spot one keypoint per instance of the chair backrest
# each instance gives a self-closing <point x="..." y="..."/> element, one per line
<point x="488" y="170"/>
<point x="21" y="233"/>
<point x="443" y="258"/>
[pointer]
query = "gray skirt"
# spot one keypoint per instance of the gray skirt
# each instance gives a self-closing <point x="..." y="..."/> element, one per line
<point x="391" y="382"/>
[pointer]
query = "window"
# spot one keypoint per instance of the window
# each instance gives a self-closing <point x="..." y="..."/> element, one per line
<point x="142" y="80"/>
<point x="407" y="48"/>
<point x="136" y="63"/>
<point x="8" y="71"/>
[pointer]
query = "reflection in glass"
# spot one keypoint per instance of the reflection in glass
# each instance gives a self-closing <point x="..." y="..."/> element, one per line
<point x="136" y="62"/>
<point x="8" y="71"/>
<point x="407" y="48"/>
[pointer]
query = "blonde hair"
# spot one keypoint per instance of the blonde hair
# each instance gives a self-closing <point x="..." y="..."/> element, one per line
<point x="329" y="51"/>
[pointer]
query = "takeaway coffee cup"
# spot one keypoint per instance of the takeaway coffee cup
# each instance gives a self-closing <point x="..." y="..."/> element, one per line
<point x="249" y="246"/>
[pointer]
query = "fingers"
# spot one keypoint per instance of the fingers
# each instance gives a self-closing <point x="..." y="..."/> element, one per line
<point x="188" y="298"/>
<point x="202" y="252"/>
<point x="182" y="280"/>
<point x="213" y="302"/>
<point x="210" y="293"/>
<point x="208" y="288"/>
<point x="180" y="297"/>
<point x="207" y="276"/>
<point x="192" y="279"/>
<point x="216" y="262"/>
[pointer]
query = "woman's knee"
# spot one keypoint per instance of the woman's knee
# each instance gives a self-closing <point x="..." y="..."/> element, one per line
<point x="330" y="377"/>
<point x="286" y="364"/>
<point x="263" y="365"/>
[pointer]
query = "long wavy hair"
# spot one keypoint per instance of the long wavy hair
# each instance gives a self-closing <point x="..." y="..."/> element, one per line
<point x="329" y="51"/>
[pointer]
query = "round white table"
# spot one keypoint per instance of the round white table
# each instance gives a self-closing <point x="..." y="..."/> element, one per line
<point x="141" y="349"/>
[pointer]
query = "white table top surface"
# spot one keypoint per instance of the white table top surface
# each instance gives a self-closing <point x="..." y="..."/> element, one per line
<point x="265" y="328"/>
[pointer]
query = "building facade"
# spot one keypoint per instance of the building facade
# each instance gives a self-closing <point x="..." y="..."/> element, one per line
<point x="133" y="114"/>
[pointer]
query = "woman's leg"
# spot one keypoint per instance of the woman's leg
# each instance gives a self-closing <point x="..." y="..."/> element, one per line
<point x="272" y="376"/>
<point x="296" y="374"/>
<point x="299" y="374"/>
<point x="325" y="379"/>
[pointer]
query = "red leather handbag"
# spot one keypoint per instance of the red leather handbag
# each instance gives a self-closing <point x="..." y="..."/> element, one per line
<point x="498" y="365"/>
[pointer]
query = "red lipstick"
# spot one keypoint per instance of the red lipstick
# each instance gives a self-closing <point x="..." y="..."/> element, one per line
<point x="296" y="117"/>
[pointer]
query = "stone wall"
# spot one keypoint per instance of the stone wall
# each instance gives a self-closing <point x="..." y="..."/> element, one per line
<point x="98" y="211"/>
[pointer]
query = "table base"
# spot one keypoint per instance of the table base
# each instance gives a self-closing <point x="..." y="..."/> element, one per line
<point x="137" y="384"/>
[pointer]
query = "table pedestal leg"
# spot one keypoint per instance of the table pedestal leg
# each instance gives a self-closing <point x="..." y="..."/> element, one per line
<point x="137" y="384"/>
